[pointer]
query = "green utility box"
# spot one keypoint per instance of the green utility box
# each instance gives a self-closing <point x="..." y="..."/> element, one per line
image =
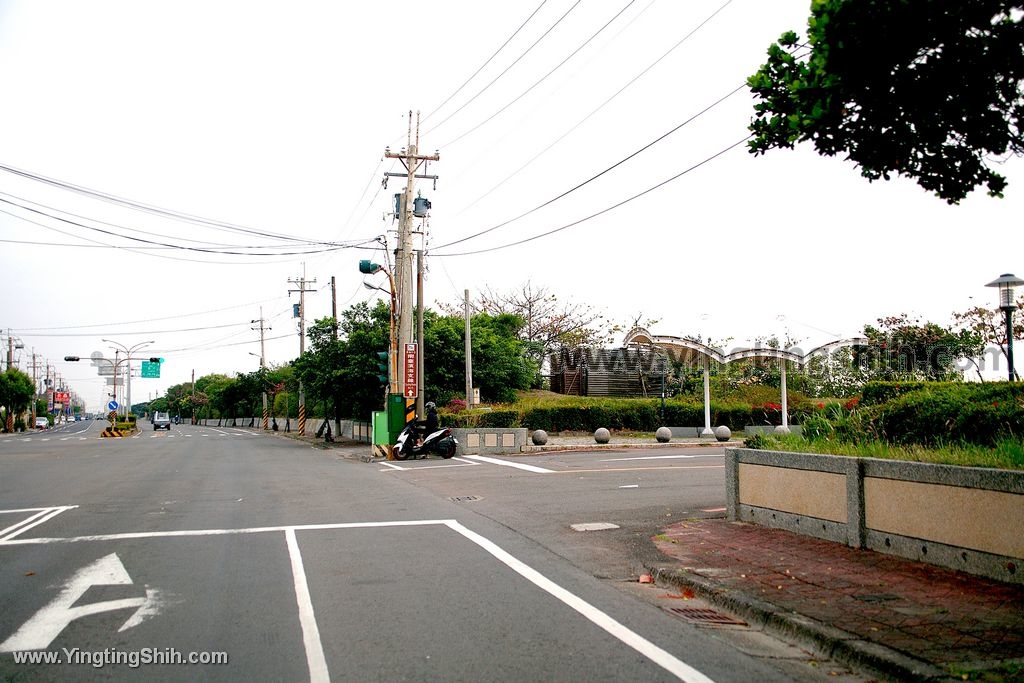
<point x="381" y="436"/>
<point x="396" y="415"/>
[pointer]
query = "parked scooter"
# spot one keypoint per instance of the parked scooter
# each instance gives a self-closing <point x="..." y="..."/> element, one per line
<point x="440" y="442"/>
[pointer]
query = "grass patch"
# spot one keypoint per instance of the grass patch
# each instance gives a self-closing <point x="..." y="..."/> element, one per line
<point x="1005" y="454"/>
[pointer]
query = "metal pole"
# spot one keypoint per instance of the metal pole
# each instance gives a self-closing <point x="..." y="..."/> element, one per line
<point x="469" y="355"/>
<point x="785" y="397"/>
<point x="707" y="398"/>
<point x="1009" y="342"/>
<point x="663" y="364"/>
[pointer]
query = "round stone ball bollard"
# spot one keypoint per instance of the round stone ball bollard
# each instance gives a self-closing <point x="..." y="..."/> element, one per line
<point x="781" y="429"/>
<point x="602" y="435"/>
<point x="539" y="437"/>
<point x="663" y="435"/>
<point x="723" y="433"/>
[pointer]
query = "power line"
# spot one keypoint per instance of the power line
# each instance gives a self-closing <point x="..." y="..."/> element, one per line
<point x="605" y="210"/>
<point x="542" y="78"/>
<point x="599" y="107"/>
<point x="149" y="208"/>
<point x="598" y="175"/>
<point x="482" y="66"/>
<point x="518" y="59"/>
<point x="172" y="246"/>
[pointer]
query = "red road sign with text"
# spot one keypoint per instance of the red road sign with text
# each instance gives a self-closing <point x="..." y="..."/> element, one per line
<point x="410" y="373"/>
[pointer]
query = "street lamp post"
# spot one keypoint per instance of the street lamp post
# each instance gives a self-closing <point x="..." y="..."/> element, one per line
<point x="1005" y="283"/>
<point x="128" y="358"/>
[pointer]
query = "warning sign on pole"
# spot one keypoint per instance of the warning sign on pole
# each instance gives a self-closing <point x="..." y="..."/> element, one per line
<point x="410" y="374"/>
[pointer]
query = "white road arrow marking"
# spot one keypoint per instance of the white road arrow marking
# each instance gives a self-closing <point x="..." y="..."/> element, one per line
<point x="38" y="632"/>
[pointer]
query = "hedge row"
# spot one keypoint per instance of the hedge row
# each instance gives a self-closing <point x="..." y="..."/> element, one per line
<point x="877" y="393"/>
<point x="946" y="412"/>
<point x="622" y="414"/>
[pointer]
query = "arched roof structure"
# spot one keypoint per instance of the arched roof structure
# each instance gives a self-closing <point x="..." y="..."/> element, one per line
<point x="688" y="351"/>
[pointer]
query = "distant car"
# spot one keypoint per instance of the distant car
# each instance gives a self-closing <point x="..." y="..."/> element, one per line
<point x="161" y="421"/>
<point x="42" y="423"/>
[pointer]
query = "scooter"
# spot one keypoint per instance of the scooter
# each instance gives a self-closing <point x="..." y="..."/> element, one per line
<point x="441" y="442"/>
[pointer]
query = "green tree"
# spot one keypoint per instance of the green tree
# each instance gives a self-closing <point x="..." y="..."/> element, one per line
<point x="904" y="348"/>
<point x="990" y="325"/>
<point x="16" y="392"/>
<point x="926" y="89"/>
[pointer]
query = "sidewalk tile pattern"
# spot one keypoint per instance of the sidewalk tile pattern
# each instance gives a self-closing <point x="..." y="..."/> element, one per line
<point x="947" y="618"/>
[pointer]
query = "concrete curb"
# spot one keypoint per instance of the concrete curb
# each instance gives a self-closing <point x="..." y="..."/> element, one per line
<point x="832" y="642"/>
<point x="611" y="446"/>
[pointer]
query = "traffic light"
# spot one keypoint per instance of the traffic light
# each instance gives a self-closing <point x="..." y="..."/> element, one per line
<point x="382" y="366"/>
<point x="71" y="358"/>
<point x="156" y="360"/>
<point x="368" y="267"/>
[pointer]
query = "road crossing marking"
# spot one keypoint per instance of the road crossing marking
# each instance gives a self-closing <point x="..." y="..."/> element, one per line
<point x="314" y="650"/>
<point x="417" y="468"/>
<point x="506" y="463"/>
<point x="42" y="515"/>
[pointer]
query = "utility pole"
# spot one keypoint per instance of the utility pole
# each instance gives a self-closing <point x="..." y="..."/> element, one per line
<point x="334" y="307"/>
<point x="412" y="161"/>
<point x="35" y="386"/>
<point x="263" y="364"/>
<point x="302" y="282"/>
<point x="419" y="334"/>
<point x="10" y="350"/>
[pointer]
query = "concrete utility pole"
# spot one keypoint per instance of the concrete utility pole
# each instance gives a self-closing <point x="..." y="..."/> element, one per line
<point x="419" y="334"/>
<point x="412" y="161"/>
<point x="302" y="282"/>
<point x="334" y="306"/>
<point x="263" y="364"/>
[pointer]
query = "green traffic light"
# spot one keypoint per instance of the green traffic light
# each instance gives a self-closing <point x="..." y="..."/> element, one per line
<point x="368" y="267"/>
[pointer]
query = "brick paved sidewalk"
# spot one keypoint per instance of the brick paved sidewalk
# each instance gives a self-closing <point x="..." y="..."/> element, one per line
<point x="910" y="620"/>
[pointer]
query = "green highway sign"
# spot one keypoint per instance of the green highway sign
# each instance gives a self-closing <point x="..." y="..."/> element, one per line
<point x="150" y="369"/>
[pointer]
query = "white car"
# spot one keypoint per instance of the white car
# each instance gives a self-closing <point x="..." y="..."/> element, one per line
<point x="42" y="423"/>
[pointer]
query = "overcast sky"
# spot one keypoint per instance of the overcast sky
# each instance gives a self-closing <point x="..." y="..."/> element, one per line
<point x="269" y="122"/>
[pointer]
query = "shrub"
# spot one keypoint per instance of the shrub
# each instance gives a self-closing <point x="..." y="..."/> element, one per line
<point x="953" y="413"/>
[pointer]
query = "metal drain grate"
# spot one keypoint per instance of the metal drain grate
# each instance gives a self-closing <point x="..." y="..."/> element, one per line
<point x="704" y="615"/>
<point x="464" y="499"/>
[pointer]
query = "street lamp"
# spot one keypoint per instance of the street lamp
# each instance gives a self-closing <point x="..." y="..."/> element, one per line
<point x="1005" y="283"/>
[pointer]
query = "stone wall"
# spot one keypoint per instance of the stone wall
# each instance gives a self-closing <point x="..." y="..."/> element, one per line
<point x="965" y="518"/>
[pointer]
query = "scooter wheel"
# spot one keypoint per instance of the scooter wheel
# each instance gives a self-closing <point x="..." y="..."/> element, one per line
<point x="449" y="451"/>
<point x="398" y="454"/>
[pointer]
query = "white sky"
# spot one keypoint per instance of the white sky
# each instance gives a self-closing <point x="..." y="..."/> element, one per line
<point x="275" y="116"/>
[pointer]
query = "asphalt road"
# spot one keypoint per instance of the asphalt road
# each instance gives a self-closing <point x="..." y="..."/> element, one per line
<point x="301" y="564"/>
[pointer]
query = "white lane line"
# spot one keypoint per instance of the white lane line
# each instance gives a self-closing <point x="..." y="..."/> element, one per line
<point x="218" y="431"/>
<point x="517" y="465"/>
<point x="661" y="657"/>
<point x="630" y="486"/>
<point x="657" y="655"/>
<point x="53" y="512"/>
<point x="665" y="457"/>
<point x="310" y="633"/>
<point x="218" y="532"/>
<point x="25" y="521"/>
<point x="417" y="468"/>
